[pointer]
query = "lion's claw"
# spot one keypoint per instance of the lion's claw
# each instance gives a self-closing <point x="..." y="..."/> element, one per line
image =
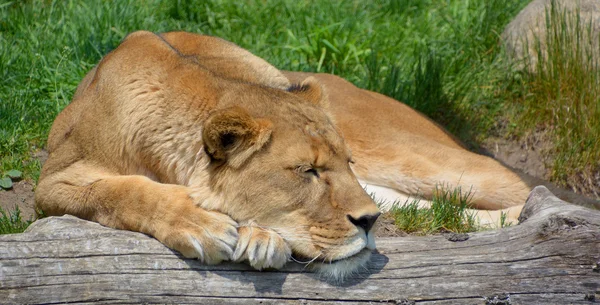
<point x="262" y="248"/>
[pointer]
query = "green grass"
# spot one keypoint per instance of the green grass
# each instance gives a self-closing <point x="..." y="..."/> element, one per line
<point x="448" y="213"/>
<point x="504" y="220"/>
<point x="562" y="96"/>
<point x="442" y="57"/>
<point x="12" y="222"/>
<point x="433" y="55"/>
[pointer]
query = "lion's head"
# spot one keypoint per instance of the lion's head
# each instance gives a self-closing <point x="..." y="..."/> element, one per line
<point x="278" y="160"/>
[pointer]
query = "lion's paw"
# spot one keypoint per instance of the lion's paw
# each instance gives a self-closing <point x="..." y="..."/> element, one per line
<point x="209" y="236"/>
<point x="262" y="248"/>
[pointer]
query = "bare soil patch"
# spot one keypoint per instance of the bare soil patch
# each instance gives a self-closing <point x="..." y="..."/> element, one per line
<point x="532" y="154"/>
<point x="20" y="195"/>
<point x="386" y="227"/>
<point x="528" y="154"/>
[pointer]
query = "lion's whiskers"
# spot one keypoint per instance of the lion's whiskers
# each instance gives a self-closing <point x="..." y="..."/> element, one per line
<point x="307" y="262"/>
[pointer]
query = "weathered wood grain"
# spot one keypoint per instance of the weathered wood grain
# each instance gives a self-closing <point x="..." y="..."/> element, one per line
<point x="550" y="258"/>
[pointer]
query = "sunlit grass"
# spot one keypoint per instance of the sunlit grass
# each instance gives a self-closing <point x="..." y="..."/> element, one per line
<point x="449" y="212"/>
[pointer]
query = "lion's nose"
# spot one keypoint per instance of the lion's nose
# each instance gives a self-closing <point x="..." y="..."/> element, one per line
<point x="366" y="222"/>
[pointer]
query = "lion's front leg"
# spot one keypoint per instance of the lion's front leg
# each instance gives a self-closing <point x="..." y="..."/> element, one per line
<point x="136" y="203"/>
<point x="261" y="247"/>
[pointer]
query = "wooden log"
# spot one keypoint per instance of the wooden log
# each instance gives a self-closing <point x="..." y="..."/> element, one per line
<point x="551" y="257"/>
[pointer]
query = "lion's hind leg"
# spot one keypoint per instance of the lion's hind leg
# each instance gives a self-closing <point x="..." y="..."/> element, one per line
<point x="387" y="197"/>
<point x="418" y="168"/>
<point x="495" y="219"/>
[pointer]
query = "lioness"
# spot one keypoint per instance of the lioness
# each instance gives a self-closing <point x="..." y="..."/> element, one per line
<point x="220" y="156"/>
<point x="215" y="168"/>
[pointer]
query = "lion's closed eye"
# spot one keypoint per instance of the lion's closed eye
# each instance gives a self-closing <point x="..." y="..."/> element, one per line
<point x="308" y="171"/>
<point x="312" y="171"/>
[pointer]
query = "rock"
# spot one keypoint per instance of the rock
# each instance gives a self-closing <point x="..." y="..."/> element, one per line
<point x="521" y="34"/>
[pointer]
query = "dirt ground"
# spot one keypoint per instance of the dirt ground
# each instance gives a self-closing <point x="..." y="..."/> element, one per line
<point x="386" y="227"/>
<point x="526" y="155"/>
<point x="21" y="194"/>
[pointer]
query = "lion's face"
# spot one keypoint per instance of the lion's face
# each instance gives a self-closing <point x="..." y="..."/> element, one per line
<point x="297" y="182"/>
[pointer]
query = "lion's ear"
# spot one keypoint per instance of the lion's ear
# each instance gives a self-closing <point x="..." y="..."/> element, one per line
<point x="231" y="135"/>
<point x="311" y="90"/>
